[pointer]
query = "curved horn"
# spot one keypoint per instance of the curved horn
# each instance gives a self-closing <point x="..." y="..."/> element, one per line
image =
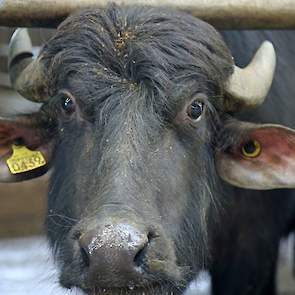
<point x="249" y="86"/>
<point x="26" y="74"/>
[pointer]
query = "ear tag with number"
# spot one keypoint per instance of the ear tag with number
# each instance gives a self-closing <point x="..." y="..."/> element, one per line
<point x="23" y="160"/>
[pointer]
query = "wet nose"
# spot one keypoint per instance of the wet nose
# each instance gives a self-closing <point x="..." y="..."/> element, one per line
<point x="114" y="251"/>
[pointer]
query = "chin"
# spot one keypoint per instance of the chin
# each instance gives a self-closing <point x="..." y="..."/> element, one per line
<point x="152" y="289"/>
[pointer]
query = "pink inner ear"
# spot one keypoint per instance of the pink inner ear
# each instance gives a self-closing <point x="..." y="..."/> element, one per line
<point x="277" y="145"/>
<point x="10" y="132"/>
<point x="7" y="137"/>
<point x="4" y="150"/>
<point x="273" y="167"/>
<point x="6" y="133"/>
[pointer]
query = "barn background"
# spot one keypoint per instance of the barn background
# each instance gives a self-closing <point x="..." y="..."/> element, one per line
<point x="25" y="264"/>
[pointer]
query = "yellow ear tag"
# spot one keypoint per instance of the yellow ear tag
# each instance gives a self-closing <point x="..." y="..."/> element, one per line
<point x="23" y="160"/>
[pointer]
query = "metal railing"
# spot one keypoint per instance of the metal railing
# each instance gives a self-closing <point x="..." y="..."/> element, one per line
<point x="223" y="14"/>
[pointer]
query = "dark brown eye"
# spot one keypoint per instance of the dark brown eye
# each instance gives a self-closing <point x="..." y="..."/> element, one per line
<point x="195" y="110"/>
<point x="68" y="104"/>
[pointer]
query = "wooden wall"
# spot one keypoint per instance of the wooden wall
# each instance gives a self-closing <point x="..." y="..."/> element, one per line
<point x="22" y="208"/>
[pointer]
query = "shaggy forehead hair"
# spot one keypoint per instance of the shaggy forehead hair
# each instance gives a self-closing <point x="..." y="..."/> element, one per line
<point x="157" y="52"/>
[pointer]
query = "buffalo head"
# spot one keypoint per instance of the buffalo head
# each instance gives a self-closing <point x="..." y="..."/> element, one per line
<point x="136" y="119"/>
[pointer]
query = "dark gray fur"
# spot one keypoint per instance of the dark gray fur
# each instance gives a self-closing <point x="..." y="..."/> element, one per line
<point x="125" y="152"/>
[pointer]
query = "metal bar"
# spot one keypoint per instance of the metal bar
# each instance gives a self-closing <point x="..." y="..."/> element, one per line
<point x="223" y="14"/>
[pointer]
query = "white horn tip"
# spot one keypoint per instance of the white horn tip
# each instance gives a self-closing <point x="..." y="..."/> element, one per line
<point x="250" y="86"/>
<point x="268" y="50"/>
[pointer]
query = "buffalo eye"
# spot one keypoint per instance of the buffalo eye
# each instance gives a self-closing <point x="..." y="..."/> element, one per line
<point x="195" y="110"/>
<point x="68" y="104"/>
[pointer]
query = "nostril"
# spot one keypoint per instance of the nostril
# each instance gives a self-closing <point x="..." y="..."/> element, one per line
<point x="85" y="253"/>
<point x="151" y="236"/>
<point x="140" y="257"/>
<point x="85" y="257"/>
<point x="76" y="235"/>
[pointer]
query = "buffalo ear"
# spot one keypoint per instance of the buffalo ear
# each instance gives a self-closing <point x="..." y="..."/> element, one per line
<point x="25" y="149"/>
<point x="258" y="156"/>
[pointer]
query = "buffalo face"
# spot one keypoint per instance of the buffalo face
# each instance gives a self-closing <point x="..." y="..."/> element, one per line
<point x="133" y="104"/>
<point x="130" y="191"/>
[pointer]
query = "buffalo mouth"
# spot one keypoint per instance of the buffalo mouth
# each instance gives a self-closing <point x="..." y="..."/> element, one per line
<point x="158" y="284"/>
<point x="156" y="289"/>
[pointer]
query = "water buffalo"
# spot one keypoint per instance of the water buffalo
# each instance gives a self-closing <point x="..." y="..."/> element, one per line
<point x="138" y="121"/>
<point x="249" y="230"/>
